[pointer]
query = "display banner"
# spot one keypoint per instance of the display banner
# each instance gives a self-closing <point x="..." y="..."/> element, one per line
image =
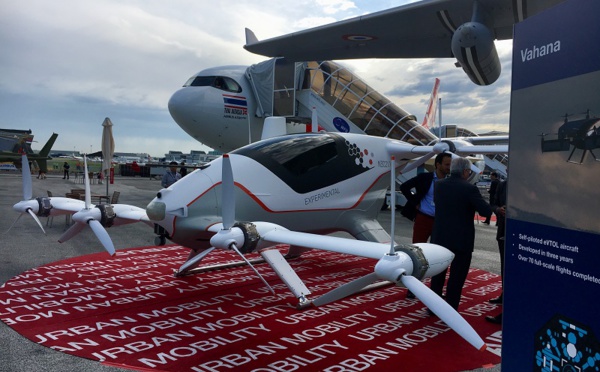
<point x="552" y="276"/>
<point x="130" y="311"/>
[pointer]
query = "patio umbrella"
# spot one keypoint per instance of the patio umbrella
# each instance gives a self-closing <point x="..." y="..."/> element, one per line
<point x="108" y="148"/>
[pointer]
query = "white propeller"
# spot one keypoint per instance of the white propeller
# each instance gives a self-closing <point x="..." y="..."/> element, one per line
<point x="91" y="217"/>
<point x="229" y="237"/>
<point x="394" y="267"/>
<point x="27" y="205"/>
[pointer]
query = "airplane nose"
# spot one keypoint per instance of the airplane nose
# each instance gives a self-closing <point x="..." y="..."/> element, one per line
<point x="182" y="106"/>
<point x="156" y="211"/>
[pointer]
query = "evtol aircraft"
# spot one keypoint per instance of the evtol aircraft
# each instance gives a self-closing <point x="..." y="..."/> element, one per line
<point x="287" y="190"/>
<point x="583" y="134"/>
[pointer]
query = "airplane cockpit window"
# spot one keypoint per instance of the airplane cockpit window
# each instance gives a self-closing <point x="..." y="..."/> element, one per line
<point x="306" y="162"/>
<point x="220" y="82"/>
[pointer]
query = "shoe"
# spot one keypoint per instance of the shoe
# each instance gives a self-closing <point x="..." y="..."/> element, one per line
<point x="409" y="294"/>
<point x="497" y="300"/>
<point x="494" y="319"/>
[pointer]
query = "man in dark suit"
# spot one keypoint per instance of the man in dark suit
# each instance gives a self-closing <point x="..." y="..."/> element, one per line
<point x="456" y="201"/>
<point x="419" y="205"/>
<point x="493" y="186"/>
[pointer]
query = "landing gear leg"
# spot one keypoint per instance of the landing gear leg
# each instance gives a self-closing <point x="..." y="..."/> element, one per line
<point x="162" y="235"/>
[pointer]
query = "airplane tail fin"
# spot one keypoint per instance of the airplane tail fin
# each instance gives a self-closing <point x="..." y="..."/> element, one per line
<point x="429" y="119"/>
<point x="250" y="37"/>
<point x="45" y="151"/>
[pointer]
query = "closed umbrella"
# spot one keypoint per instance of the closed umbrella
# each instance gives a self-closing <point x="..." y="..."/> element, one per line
<point x="108" y="148"/>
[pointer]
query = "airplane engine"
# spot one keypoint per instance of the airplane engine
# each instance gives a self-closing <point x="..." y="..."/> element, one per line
<point x="473" y="46"/>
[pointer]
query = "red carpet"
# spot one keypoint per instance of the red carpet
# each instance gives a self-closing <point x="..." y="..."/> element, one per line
<point x="129" y="311"/>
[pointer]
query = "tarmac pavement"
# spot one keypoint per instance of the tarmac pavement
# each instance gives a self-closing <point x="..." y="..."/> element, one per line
<point x="25" y="247"/>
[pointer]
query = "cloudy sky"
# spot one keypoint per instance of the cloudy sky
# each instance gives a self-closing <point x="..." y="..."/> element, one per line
<point x="68" y="64"/>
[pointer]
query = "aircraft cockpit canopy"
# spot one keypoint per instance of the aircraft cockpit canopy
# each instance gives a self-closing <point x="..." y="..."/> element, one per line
<point x="307" y="162"/>
<point x="220" y="82"/>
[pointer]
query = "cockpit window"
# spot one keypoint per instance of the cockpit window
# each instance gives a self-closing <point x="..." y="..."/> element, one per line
<point x="220" y="82"/>
<point x="307" y="162"/>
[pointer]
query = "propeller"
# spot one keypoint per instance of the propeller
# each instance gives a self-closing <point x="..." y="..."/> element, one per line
<point x="230" y="237"/>
<point x="27" y="205"/>
<point x="396" y="268"/>
<point x="89" y="216"/>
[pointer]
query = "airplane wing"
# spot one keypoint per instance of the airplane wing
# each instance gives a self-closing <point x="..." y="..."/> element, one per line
<point x="462" y="148"/>
<point x="487" y="139"/>
<point x="419" y="30"/>
<point x="328" y="243"/>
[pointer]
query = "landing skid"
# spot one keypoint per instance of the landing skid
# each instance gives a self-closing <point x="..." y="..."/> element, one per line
<point x="288" y="276"/>
<point x="370" y="287"/>
<point x="207" y="268"/>
<point x="223" y="266"/>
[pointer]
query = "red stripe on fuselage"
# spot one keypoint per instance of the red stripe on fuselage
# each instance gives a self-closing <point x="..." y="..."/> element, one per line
<point x="269" y="210"/>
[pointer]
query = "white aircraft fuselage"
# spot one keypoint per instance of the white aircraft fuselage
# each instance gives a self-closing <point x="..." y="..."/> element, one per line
<point x="317" y="183"/>
<point x="219" y="117"/>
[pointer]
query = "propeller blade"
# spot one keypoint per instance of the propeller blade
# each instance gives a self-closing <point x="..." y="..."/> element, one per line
<point x="13" y="224"/>
<point x="234" y="247"/>
<point x="26" y="174"/>
<point x="36" y="220"/>
<point x="446" y="312"/>
<point x="88" y="195"/>
<point x="71" y="232"/>
<point x="192" y="262"/>
<point x="417" y="163"/>
<point x="228" y="194"/>
<point x="103" y="236"/>
<point x="346" y="289"/>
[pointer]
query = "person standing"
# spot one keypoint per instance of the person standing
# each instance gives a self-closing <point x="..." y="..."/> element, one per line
<point x="456" y="201"/>
<point x="183" y="169"/>
<point x="499" y="207"/>
<point x="171" y="176"/>
<point x="419" y="205"/>
<point x="493" y="185"/>
<point x="66" y="168"/>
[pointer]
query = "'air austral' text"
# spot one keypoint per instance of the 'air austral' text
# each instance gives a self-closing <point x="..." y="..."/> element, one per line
<point x="541" y="51"/>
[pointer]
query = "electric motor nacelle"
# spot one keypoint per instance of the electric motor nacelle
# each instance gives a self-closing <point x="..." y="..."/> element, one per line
<point x="473" y="46"/>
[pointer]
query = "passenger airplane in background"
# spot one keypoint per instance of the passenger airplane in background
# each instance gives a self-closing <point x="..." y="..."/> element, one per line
<point x="225" y="107"/>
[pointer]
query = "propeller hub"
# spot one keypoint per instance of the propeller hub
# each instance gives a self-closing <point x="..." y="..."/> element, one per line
<point x="226" y="237"/>
<point x="392" y="267"/>
<point x="24" y="205"/>
<point x="156" y="211"/>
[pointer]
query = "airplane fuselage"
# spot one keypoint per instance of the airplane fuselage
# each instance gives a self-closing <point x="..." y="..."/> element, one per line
<point x="309" y="182"/>
<point x="220" y="116"/>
